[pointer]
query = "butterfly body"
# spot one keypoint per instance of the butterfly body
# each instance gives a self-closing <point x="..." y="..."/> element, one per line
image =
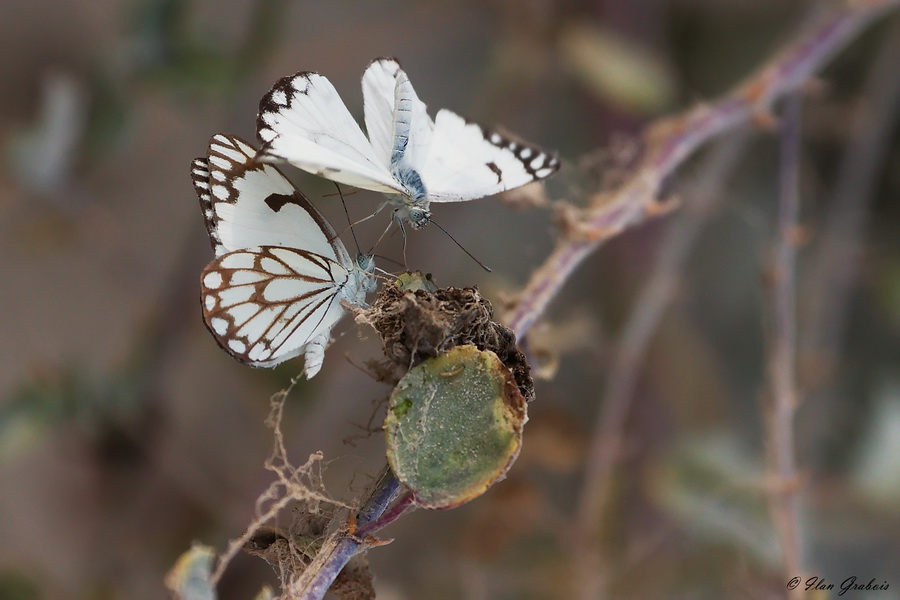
<point x="411" y="158"/>
<point x="275" y="288"/>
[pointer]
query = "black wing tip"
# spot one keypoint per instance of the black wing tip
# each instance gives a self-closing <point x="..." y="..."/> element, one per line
<point x="235" y="143"/>
<point x="200" y="178"/>
<point x="390" y="59"/>
<point x="260" y="126"/>
<point x="538" y="163"/>
<point x="547" y="165"/>
<point x="201" y="162"/>
<point x="273" y="103"/>
<point x="229" y="138"/>
<point x="553" y="163"/>
<point x="286" y="86"/>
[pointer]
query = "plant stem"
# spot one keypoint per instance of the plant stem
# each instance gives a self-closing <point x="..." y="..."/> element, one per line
<point x="671" y="141"/>
<point x="340" y="548"/>
<point x="604" y="449"/>
<point x="397" y="510"/>
<point x="783" y="359"/>
<point x="838" y="263"/>
<point x="837" y="266"/>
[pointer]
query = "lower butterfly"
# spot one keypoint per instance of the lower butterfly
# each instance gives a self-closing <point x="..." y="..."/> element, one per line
<point x="275" y="288"/>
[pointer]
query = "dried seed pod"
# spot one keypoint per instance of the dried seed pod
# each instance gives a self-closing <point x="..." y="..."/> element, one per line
<point x="417" y="321"/>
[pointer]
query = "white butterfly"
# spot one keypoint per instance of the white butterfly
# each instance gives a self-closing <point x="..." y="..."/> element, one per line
<point x="409" y="157"/>
<point x="274" y="290"/>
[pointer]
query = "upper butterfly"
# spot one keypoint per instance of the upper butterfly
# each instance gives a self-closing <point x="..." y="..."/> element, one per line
<point x="274" y="289"/>
<point x="409" y="157"/>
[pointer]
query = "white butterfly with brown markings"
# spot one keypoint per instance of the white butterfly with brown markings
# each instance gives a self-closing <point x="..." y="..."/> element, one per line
<point x="275" y="288"/>
<point x="408" y="156"/>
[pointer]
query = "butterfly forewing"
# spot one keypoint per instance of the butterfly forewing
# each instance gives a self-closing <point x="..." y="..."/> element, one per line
<point x="397" y="121"/>
<point x="378" y="84"/>
<point x="302" y="120"/>
<point x="264" y="305"/>
<point x="254" y="204"/>
<point x="200" y="179"/>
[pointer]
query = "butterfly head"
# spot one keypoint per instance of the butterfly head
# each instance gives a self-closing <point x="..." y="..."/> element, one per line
<point x="418" y="217"/>
<point x="365" y="265"/>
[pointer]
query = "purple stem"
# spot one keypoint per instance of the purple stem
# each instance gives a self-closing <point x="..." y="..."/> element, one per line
<point x="397" y="510"/>
<point x="672" y="141"/>
<point x="783" y="357"/>
<point x="325" y="572"/>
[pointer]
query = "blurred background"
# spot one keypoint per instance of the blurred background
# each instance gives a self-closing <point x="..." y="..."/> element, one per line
<point x="126" y="433"/>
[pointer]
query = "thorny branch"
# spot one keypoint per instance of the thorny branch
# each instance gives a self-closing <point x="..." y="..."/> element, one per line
<point x="339" y="549"/>
<point x="606" y="441"/>
<point x="833" y="277"/>
<point x="669" y="143"/>
<point x="835" y="272"/>
<point x="783" y="348"/>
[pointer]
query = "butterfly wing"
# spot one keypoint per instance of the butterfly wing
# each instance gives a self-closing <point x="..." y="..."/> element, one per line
<point x="467" y="162"/>
<point x="248" y="204"/>
<point x="302" y="120"/>
<point x="267" y="304"/>
<point x="397" y="121"/>
<point x="200" y="178"/>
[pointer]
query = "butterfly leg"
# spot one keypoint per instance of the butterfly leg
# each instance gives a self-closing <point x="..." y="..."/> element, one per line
<point x="355" y="223"/>
<point x="381" y="237"/>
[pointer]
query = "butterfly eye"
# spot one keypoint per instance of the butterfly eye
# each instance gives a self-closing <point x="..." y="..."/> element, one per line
<point x="366" y="262"/>
<point x="418" y="217"/>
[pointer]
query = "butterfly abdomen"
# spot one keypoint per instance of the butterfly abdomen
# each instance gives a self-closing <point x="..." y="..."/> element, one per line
<point x="412" y="182"/>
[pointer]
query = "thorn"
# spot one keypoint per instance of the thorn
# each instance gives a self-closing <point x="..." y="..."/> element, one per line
<point x="765" y="120"/>
<point x="815" y="87"/>
<point x="351" y="524"/>
<point x="575" y="224"/>
<point x="663" y="206"/>
<point x="800" y="235"/>
<point x="373" y="542"/>
<point x="370" y="540"/>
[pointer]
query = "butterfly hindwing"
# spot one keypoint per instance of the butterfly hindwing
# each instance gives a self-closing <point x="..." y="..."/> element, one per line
<point x="467" y="162"/>
<point x="264" y="305"/>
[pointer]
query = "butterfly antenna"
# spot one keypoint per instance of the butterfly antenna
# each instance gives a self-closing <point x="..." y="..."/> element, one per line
<point x="346" y="212"/>
<point x="350" y="193"/>
<point x="472" y="256"/>
<point x="403" y="231"/>
<point x="387" y="258"/>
